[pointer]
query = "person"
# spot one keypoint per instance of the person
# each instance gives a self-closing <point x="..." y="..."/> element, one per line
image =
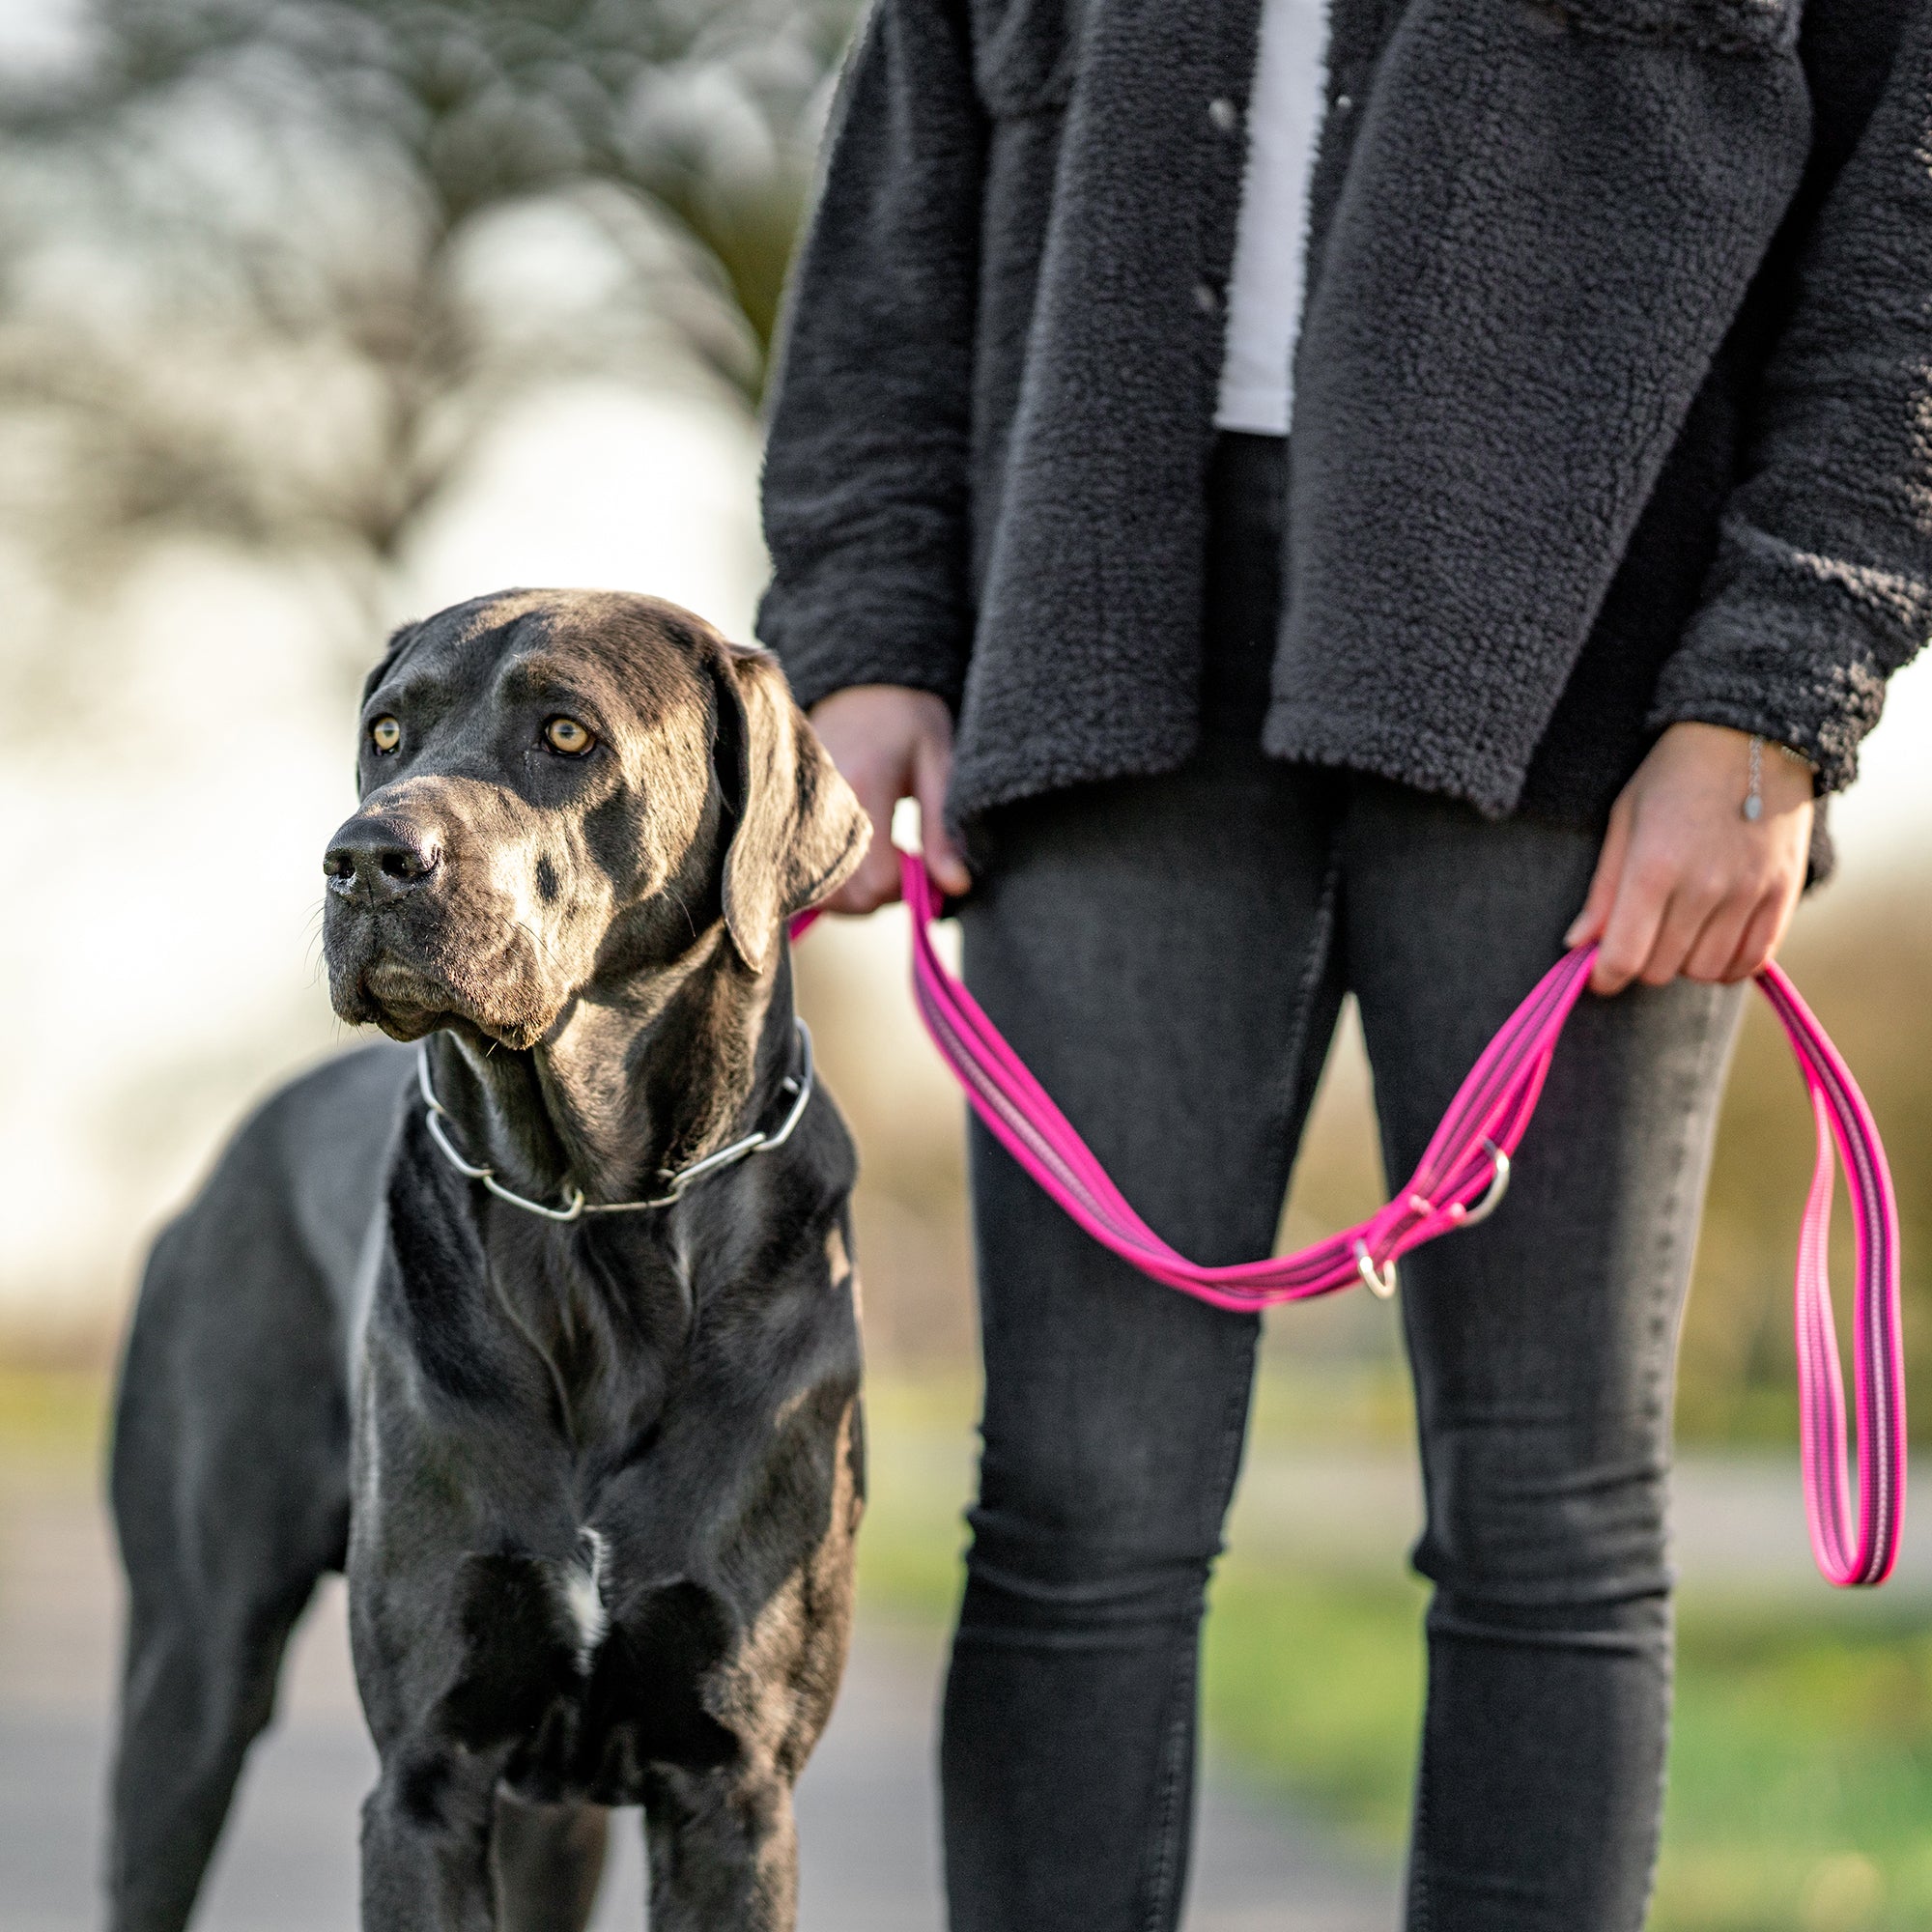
<point x="1604" y="513"/>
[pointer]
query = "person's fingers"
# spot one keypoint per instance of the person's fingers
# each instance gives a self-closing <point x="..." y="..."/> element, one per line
<point x="1715" y="946"/>
<point x="1778" y="902"/>
<point x="1588" y="925"/>
<point x="1764" y="933"/>
<point x="1629" y="931"/>
<point x="1692" y="899"/>
<point x="861" y="894"/>
<point x="876" y="880"/>
<point x="932" y="771"/>
<point x="1684" y="884"/>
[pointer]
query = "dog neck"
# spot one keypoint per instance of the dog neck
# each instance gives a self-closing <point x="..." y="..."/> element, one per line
<point x="633" y="1082"/>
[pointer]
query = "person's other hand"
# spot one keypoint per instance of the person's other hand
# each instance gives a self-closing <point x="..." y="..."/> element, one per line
<point x="1686" y="884"/>
<point x="892" y="742"/>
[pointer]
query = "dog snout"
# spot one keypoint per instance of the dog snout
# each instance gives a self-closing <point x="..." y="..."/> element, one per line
<point x="377" y="859"/>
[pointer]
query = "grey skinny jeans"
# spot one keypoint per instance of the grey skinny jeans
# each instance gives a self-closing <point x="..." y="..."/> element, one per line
<point x="1170" y="955"/>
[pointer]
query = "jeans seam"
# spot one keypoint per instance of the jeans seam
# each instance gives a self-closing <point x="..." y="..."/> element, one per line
<point x="1167" y="1825"/>
<point x="1321" y="940"/>
<point x="1663" y="1232"/>
<point x="1162" y="1906"/>
<point x="1419" y="1914"/>
<point x="1713" y="1045"/>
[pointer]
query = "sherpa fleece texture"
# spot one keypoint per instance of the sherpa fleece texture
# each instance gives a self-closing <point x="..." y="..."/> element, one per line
<point x="1613" y="395"/>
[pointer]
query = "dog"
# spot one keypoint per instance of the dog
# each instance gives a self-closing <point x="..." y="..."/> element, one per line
<point x="540" y="1325"/>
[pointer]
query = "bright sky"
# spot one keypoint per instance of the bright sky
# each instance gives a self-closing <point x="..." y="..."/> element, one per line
<point x="177" y="827"/>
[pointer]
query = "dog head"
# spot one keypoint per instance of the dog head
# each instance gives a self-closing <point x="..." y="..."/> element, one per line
<point x="558" y="792"/>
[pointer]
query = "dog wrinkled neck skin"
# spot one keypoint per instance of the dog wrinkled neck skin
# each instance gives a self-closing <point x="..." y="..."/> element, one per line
<point x="586" y="819"/>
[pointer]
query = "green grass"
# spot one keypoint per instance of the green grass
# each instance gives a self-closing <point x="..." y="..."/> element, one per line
<point x="918" y="1441"/>
<point x="1314" y="1684"/>
<point x="1801" y="1788"/>
<point x="52" y="1417"/>
<point x="1801" y="1773"/>
<point x="1801" y="1791"/>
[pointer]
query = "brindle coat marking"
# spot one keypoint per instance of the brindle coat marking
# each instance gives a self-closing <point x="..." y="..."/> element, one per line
<point x="594" y="1484"/>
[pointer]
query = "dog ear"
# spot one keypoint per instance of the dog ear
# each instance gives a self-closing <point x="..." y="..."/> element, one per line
<point x="797" y="830"/>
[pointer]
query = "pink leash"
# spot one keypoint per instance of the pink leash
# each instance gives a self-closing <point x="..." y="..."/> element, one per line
<point x="1461" y="1177"/>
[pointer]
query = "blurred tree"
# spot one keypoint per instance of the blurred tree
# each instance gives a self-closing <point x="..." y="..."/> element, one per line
<point x="270" y="269"/>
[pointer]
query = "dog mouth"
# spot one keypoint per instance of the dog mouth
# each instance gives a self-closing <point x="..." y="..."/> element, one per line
<point x="402" y="994"/>
<point x="401" y="998"/>
<point x="381" y="983"/>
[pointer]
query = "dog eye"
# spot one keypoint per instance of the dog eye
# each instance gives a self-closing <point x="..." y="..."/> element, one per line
<point x="568" y="736"/>
<point x="385" y="734"/>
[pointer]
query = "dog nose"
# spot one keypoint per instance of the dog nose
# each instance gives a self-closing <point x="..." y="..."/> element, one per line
<point x="379" y="859"/>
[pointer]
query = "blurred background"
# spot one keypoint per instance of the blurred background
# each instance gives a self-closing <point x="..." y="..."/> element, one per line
<point x="316" y="315"/>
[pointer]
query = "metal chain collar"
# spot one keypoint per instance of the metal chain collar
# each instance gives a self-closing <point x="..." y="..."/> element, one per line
<point x="675" y="1181"/>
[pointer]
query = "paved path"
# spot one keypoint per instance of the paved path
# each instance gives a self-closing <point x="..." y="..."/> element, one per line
<point x="1738" y="1520"/>
<point x="287" y="1865"/>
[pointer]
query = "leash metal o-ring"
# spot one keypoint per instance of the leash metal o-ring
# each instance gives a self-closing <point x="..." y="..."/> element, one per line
<point x="1378" y="1281"/>
<point x="1497" y="1188"/>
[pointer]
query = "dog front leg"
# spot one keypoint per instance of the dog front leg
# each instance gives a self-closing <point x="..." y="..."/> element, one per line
<point x="426" y="1842"/>
<point x="547" y="1861"/>
<point x="723" y="1851"/>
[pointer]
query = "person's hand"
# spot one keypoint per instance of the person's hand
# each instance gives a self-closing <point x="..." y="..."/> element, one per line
<point x="1686" y="884"/>
<point x="892" y="742"/>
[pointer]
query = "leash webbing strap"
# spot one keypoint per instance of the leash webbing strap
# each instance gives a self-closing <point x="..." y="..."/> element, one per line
<point x="1461" y="1177"/>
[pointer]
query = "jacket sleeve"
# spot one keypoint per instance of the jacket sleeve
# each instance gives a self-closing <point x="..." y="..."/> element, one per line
<point x="865" y="476"/>
<point x="1822" y="582"/>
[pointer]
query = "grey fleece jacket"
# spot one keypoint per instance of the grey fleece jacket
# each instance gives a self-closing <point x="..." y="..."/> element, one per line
<point x="1613" y="392"/>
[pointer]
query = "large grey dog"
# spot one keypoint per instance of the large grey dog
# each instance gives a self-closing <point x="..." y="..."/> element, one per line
<point x="584" y="1432"/>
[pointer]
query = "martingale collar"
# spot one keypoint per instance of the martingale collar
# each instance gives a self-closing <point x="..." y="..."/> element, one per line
<point x="675" y="1181"/>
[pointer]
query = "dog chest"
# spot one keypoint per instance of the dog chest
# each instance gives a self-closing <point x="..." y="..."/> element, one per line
<point x="583" y="1690"/>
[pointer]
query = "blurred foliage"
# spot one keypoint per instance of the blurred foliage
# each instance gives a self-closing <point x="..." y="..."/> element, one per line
<point x="51" y="1414"/>
<point x="270" y="269"/>
<point x="909" y="1210"/>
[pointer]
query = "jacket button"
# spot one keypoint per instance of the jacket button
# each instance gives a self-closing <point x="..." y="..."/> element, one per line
<point x="1224" y="114"/>
<point x="1206" y="300"/>
<point x="1342" y="102"/>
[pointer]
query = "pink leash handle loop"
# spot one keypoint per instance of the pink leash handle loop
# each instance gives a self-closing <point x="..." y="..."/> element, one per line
<point x="1461" y="1178"/>
<point x="1846" y="1554"/>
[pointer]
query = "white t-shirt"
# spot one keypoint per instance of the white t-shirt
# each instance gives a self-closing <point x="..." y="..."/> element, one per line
<point x="1265" y="291"/>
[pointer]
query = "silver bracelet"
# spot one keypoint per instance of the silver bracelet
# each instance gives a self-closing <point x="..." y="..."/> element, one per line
<point x="1754" y="805"/>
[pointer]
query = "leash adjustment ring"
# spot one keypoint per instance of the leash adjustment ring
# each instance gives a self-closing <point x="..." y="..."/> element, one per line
<point x="1499" y="1186"/>
<point x="1378" y="1281"/>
